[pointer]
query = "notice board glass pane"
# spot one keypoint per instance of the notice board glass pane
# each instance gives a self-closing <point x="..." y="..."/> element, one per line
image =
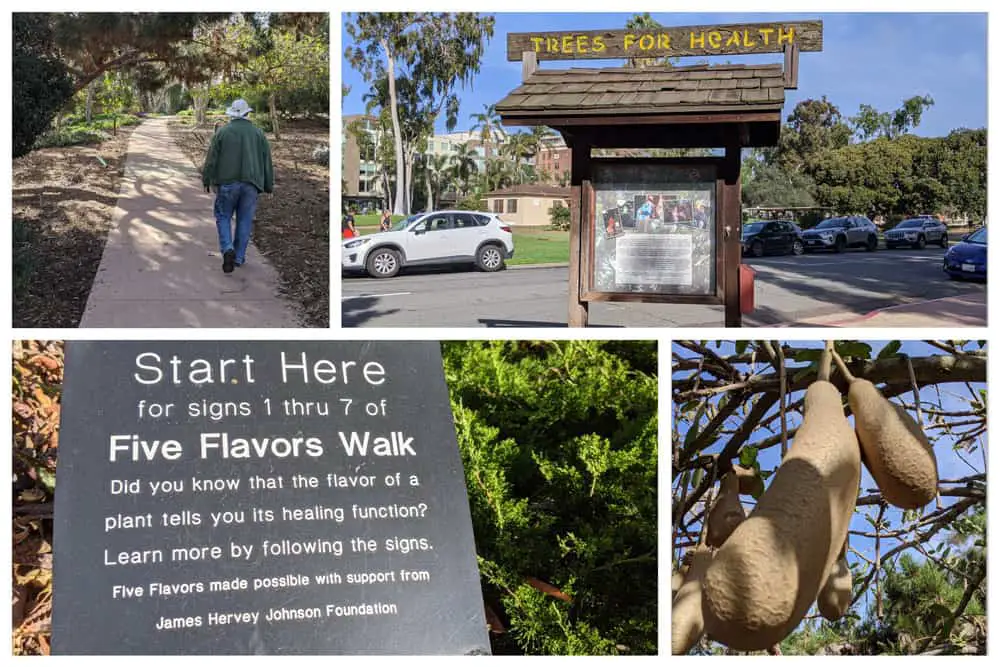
<point x="654" y="228"/>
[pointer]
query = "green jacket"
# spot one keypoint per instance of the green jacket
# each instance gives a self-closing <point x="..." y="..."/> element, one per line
<point x="239" y="153"/>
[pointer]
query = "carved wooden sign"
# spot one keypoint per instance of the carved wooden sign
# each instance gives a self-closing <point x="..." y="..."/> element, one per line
<point x="705" y="40"/>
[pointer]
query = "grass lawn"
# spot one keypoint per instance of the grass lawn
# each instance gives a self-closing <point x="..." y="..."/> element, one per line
<point x="532" y="245"/>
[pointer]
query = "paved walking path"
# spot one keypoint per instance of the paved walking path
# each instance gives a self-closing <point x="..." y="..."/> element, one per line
<point x="161" y="266"/>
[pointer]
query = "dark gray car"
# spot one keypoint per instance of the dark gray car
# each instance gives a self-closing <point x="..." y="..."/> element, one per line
<point x="838" y="234"/>
<point x="917" y="233"/>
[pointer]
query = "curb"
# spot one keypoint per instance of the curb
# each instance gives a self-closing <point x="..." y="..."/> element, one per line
<point x="554" y="265"/>
<point x="863" y="317"/>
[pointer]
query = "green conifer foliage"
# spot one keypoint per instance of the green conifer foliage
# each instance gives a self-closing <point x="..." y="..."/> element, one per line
<point x="558" y="440"/>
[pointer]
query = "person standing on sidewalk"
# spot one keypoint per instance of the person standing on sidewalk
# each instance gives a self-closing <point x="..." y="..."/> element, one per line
<point x="239" y="165"/>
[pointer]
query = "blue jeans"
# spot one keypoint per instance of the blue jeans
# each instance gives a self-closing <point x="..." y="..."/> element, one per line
<point x="241" y="199"/>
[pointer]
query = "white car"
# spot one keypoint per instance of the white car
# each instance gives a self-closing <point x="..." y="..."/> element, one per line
<point x="439" y="237"/>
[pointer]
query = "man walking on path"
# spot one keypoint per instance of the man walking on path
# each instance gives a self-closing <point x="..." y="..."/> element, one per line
<point x="239" y="165"/>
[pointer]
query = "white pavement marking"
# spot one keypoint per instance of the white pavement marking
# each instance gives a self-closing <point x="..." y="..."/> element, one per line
<point x="373" y="296"/>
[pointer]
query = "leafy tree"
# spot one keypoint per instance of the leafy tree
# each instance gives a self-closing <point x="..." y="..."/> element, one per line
<point x="767" y="184"/>
<point x="963" y="172"/>
<point x="813" y="127"/>
<point x="435" y="51"/>
<point x="558" y="441"/>
<point x="871" y="123"/>
<point x="282" y="61"/>
<point x="742" y="402"/>
<point x="881" y="177"/>
<point x="93" y="43"/>
<point x="41" y="83"/>
<point x="116" y="95"/>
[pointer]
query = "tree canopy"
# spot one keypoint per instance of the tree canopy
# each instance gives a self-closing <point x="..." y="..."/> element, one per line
<point x="869" y="164"/>
<point x="434" y="52"/>
<point x="918" y="575"/>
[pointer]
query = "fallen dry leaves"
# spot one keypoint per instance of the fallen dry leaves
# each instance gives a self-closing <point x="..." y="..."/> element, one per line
<point x="36" y="388"/>
<point x="63" y="202"/>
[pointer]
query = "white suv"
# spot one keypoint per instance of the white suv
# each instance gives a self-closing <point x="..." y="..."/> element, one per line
<point x="439" y="237"/>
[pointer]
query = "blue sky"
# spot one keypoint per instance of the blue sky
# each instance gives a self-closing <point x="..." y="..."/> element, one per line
<point x="877" y="59"/>
<point x="947" y="396"/>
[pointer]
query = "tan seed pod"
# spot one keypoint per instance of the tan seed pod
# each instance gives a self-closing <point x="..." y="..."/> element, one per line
<point x="835" y="596"/>
<point x="897" y="453"/>
<point x="769" y="572"/>
<point x="751" y="483"/>
<point x="675" y="583"/>
<point x="686" y="623"/>
<point x="727" y="513"/>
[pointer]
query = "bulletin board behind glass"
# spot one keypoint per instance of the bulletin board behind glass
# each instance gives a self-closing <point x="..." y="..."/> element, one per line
<point x="654" y="228"/>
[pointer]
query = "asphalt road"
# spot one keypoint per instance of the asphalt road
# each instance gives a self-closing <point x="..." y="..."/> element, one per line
<point x="788" y="289"/>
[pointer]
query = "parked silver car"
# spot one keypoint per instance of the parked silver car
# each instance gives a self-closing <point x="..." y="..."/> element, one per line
<point x="837" y="234"/>
<point x="917" y="233"/>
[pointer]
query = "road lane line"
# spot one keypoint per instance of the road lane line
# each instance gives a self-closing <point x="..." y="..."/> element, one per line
<point x="374" y="296"/>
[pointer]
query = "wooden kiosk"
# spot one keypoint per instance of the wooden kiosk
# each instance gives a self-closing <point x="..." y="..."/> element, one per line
<point x="648" y="229"/>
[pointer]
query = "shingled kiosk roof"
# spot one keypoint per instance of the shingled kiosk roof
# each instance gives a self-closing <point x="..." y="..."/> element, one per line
<point x="650" y="90"/>
<point x="575" y="97"/>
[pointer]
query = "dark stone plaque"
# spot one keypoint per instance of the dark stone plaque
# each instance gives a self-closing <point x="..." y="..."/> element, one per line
<point x="252" y="497"/>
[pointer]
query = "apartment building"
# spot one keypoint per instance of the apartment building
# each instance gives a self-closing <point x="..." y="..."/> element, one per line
<point x="362" y="187"/>
<point x="553" y="160"/>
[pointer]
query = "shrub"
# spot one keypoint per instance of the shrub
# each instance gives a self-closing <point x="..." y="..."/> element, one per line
<point x="471" y="202"/>
<point x="72" y="136"/>
<point x="559" y="215"/>
<point x="558" y="441"/>
<point x="41" y="82"/>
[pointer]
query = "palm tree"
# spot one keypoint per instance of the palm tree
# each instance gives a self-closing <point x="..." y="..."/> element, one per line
<point x="489" y="128"/>
<point x="436" y="175"/>
<point x="518" y="147"/>
<point x="645" y="23"/>
<point x="463" y="165"/>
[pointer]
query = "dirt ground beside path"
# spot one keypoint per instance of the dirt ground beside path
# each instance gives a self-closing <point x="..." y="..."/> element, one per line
<point x="292" y="227"/>
<point x="63" y="200"/>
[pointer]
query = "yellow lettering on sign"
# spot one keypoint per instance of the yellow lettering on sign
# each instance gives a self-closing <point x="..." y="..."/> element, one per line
<point x="663" y="41"/>
<point x="629" y="40"/>
<point x="765" y="34"/>
<point x="734" y="39"/>
<point x="747" y="42"/>
<point x="646" y="42"/>
<point x="698" y="41"/>
<point x="552" y="45"/>
<point x="599" y="44"/>
<point x="786" y="36"/>
<point x="537" y="42"/>
<point x="715" y="39"/>
<point x="567" y="44"/>
<point x="581" y="43"/>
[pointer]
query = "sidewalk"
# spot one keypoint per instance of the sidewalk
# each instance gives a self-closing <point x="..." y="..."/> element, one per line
<point x="161" y="266"/>
<point x="968" y="310"/>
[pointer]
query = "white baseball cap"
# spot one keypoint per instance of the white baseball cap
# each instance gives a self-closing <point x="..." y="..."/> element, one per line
<point x="238" y="109"/>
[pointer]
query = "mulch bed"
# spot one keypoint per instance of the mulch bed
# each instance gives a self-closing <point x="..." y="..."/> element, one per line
<point x="63" y="202"/>
<point x="292" y="227"/>
<point x="36" y="392"/>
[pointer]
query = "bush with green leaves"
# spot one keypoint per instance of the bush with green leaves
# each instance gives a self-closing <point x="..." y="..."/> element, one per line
<point x="559" y="216"/>
<point x="41" y="82"/>
<point x="558" y="440"/>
